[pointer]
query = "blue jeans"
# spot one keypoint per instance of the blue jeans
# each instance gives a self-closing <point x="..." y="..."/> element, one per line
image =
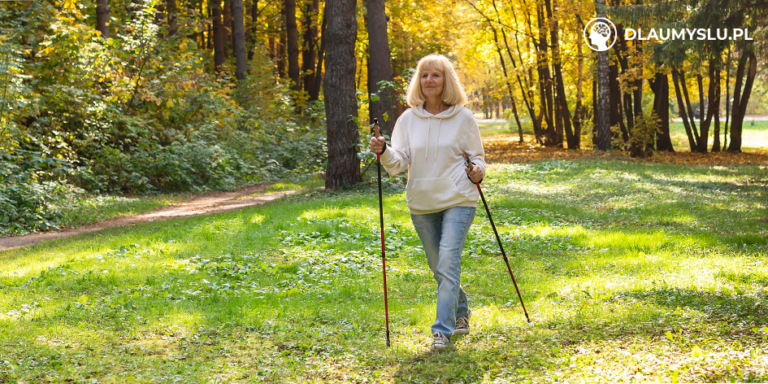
<point x="443" y="235"/>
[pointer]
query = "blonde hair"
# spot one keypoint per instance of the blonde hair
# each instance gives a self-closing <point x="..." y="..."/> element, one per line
<point x="453" y="91"/>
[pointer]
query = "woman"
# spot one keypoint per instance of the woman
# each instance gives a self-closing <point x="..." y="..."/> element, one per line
<point x="431" y="140"/>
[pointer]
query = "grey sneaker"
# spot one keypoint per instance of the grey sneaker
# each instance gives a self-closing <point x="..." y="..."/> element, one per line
<point x="462" y="324"/>
<point x="440" y="341"/>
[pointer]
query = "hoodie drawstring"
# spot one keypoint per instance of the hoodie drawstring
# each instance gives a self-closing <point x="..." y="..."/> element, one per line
<point x="429" y="125"/>
<point x="439" y="125"/>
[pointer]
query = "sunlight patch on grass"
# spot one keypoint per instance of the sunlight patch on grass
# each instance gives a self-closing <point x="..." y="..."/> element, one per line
<point x="257" y="218"/>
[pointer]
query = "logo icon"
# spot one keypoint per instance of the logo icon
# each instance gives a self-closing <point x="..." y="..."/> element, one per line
<point x="598" y="33"/>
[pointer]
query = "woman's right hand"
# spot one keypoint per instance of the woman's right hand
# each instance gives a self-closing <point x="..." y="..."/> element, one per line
<point x="377" y="144"/>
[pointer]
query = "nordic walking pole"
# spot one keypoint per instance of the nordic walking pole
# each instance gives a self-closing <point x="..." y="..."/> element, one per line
<point x="377" y="134"/>
<point x="504" y="254"/>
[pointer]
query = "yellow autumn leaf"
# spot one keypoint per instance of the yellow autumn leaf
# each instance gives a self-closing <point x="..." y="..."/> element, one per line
<point x="696" y="351"/>
<point x="69" y="5"/>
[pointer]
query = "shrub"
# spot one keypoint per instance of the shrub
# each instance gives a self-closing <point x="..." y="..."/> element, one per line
<point x="29" y="191"/>
<point x="643" y="135"/>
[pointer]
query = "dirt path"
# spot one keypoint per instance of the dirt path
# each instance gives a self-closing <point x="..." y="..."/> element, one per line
<point x="214" y="202"/>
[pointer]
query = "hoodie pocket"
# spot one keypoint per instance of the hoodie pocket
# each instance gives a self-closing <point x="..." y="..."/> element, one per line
<point x="433" y="194"/>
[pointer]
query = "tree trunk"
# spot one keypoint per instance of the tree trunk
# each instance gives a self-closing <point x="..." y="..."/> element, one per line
<point x="282" y="43"/>
<point x="740" y="99"/>
<point x="562" y="112"/>
<point x="577" y="112"/>
<point x="219" y="56"/>
<point x="272" y="44"/>
<point x="227" y="24"/>
<point x="209" y="37"/>
<point x="638" y="82"/>
<point x="340" y="95"/>
<point x="315" y="94"/>
<point x="595" y="105"/>
<point x="102" y="18"/>
<point x="603" y="113"/>
<point x="292" y="35"/>
<point x="687" y="99"/>
<point x="638" y="91"/>
<point x="689" y="124"/>
<point x="171" y="11"/>
<point x="238" y="36"/>
<point x="201" y="35"/>
<point x="380" y="67"/>
<point x="615" y="102"/>
<point x="660" y="87"/>
<point x="714" y="105"/>
<point x="703" y="124"/>
<point x="310" y="45"/>
<point x="545" y="82"/>
<point x="621" y="100"/>
<point x="727" y="98"/>
<point x="159" y="15"/>
<point x="254" y="25"/>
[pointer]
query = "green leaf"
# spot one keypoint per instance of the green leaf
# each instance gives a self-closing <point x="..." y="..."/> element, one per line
<point x="385" y="116"/>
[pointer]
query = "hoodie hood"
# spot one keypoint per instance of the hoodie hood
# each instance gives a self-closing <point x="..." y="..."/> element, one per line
<point x="450" y="112"/>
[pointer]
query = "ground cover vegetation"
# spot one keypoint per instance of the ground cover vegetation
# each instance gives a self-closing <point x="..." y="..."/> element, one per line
<point x="166" y="96"/>
<point x="631" y="272"/>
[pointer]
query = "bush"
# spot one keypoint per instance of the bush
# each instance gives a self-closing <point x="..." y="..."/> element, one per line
<point x="198" y="164"/>
<point x="643" y="135"/>
<point x="27" y="199"/>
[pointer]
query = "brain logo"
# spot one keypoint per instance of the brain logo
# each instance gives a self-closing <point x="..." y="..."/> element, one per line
<point x="600" y="34"/>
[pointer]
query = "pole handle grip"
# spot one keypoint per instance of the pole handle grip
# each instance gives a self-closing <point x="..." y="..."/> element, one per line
<point x="470" y="165"/>
<point x="376" y="131"/>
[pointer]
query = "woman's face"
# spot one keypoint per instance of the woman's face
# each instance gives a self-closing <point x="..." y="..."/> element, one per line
<point x="432" y="81"/>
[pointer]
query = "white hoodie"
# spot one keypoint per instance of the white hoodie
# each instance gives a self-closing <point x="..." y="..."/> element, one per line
<point x="430" y="147"/>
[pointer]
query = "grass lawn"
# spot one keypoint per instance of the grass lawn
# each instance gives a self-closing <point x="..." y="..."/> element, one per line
<point x="630" y="272"/>
<point x="508" y="128"/>
<point x="754" y="135"/>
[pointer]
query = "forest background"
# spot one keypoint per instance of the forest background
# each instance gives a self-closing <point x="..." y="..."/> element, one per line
<point x="115" y="97"/>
